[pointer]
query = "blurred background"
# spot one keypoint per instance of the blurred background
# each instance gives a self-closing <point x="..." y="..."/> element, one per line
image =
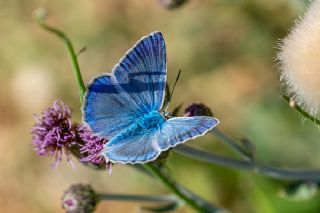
<point x="227" y="52"/>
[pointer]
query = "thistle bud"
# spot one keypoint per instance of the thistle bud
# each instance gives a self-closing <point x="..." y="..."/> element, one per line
<point x="197" y="109"/>
<point x="79" y="198"/>
<point x="171" y="4"/>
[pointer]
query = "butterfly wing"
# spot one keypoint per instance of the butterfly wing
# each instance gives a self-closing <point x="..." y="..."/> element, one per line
<point x="133" y="88"/>
<point x="180" y="129"/>
<point x="141" y="147"/>
<point x="133" y="148"/>
<point x="142" y="72"/>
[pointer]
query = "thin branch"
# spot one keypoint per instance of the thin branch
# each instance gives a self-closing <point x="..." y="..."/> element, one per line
<point x="301" y="111"/>
<point x="168" y="202"/>
<point x="40" y="18"/>
<point x="208" y="206"/>
<point x="138" y="198"/>
<point x="269" y="171"/>
<point x="197" y="204"/>
<point x="231" y="143"/>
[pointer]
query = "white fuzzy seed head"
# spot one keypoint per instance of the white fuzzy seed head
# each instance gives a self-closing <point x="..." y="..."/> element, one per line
<point x="300" y="60"/>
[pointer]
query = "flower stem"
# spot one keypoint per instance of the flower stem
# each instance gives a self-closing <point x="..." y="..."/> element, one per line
<point x="301" y="111"/>
<point x="170" y="184"/>
<point x="138" y="198"/>
<point x="229" y="142"/>
<point x="169" y="202"/>
<point x="273" y="172"/>
<point x="40" y="18"/>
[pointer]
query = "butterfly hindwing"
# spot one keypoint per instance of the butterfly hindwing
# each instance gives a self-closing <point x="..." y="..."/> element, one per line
<point x="144" y="146"/>
<point x="134" y="88"/>
<point x="180" y="129"/>
<point x="134" y="148"/>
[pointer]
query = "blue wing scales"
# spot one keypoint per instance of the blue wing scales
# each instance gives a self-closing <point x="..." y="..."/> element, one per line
<point x="142" y="72"/>
<point x="180" y="129"/>
<point x="145" y="146"/>
<point x="106" y="112"/>
<point x="132" y="149"/>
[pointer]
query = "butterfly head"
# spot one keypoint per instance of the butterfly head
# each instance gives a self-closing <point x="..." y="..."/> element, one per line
<point x="166" y="114"/>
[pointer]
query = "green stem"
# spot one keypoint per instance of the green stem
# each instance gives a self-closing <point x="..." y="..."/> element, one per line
<point x="273" y="172"/>
<point x="231" y="143"/>
<point x="169" y="202"/>
<point x="138" y="198"/>
<point x="301" y="111"/>
<point x="170" y="184"/>
<point x="73" y="56"/>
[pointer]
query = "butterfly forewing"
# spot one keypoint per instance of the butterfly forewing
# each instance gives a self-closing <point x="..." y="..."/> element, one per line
<point x="134" y="88"/>
<point x="142" y="72"/>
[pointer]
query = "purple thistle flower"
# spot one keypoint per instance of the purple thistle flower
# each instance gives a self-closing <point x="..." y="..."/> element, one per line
<point x="92" y="147"/>
<point x="53" y="133"/>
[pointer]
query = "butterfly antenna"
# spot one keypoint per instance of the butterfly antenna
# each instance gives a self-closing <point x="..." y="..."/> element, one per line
<point x="174" y="85"/>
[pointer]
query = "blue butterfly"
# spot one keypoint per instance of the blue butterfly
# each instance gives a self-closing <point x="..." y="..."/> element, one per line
<point x="124" y="107"/>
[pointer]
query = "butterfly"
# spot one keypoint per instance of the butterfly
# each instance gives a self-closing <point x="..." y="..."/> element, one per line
<point x="124" y="107"/>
